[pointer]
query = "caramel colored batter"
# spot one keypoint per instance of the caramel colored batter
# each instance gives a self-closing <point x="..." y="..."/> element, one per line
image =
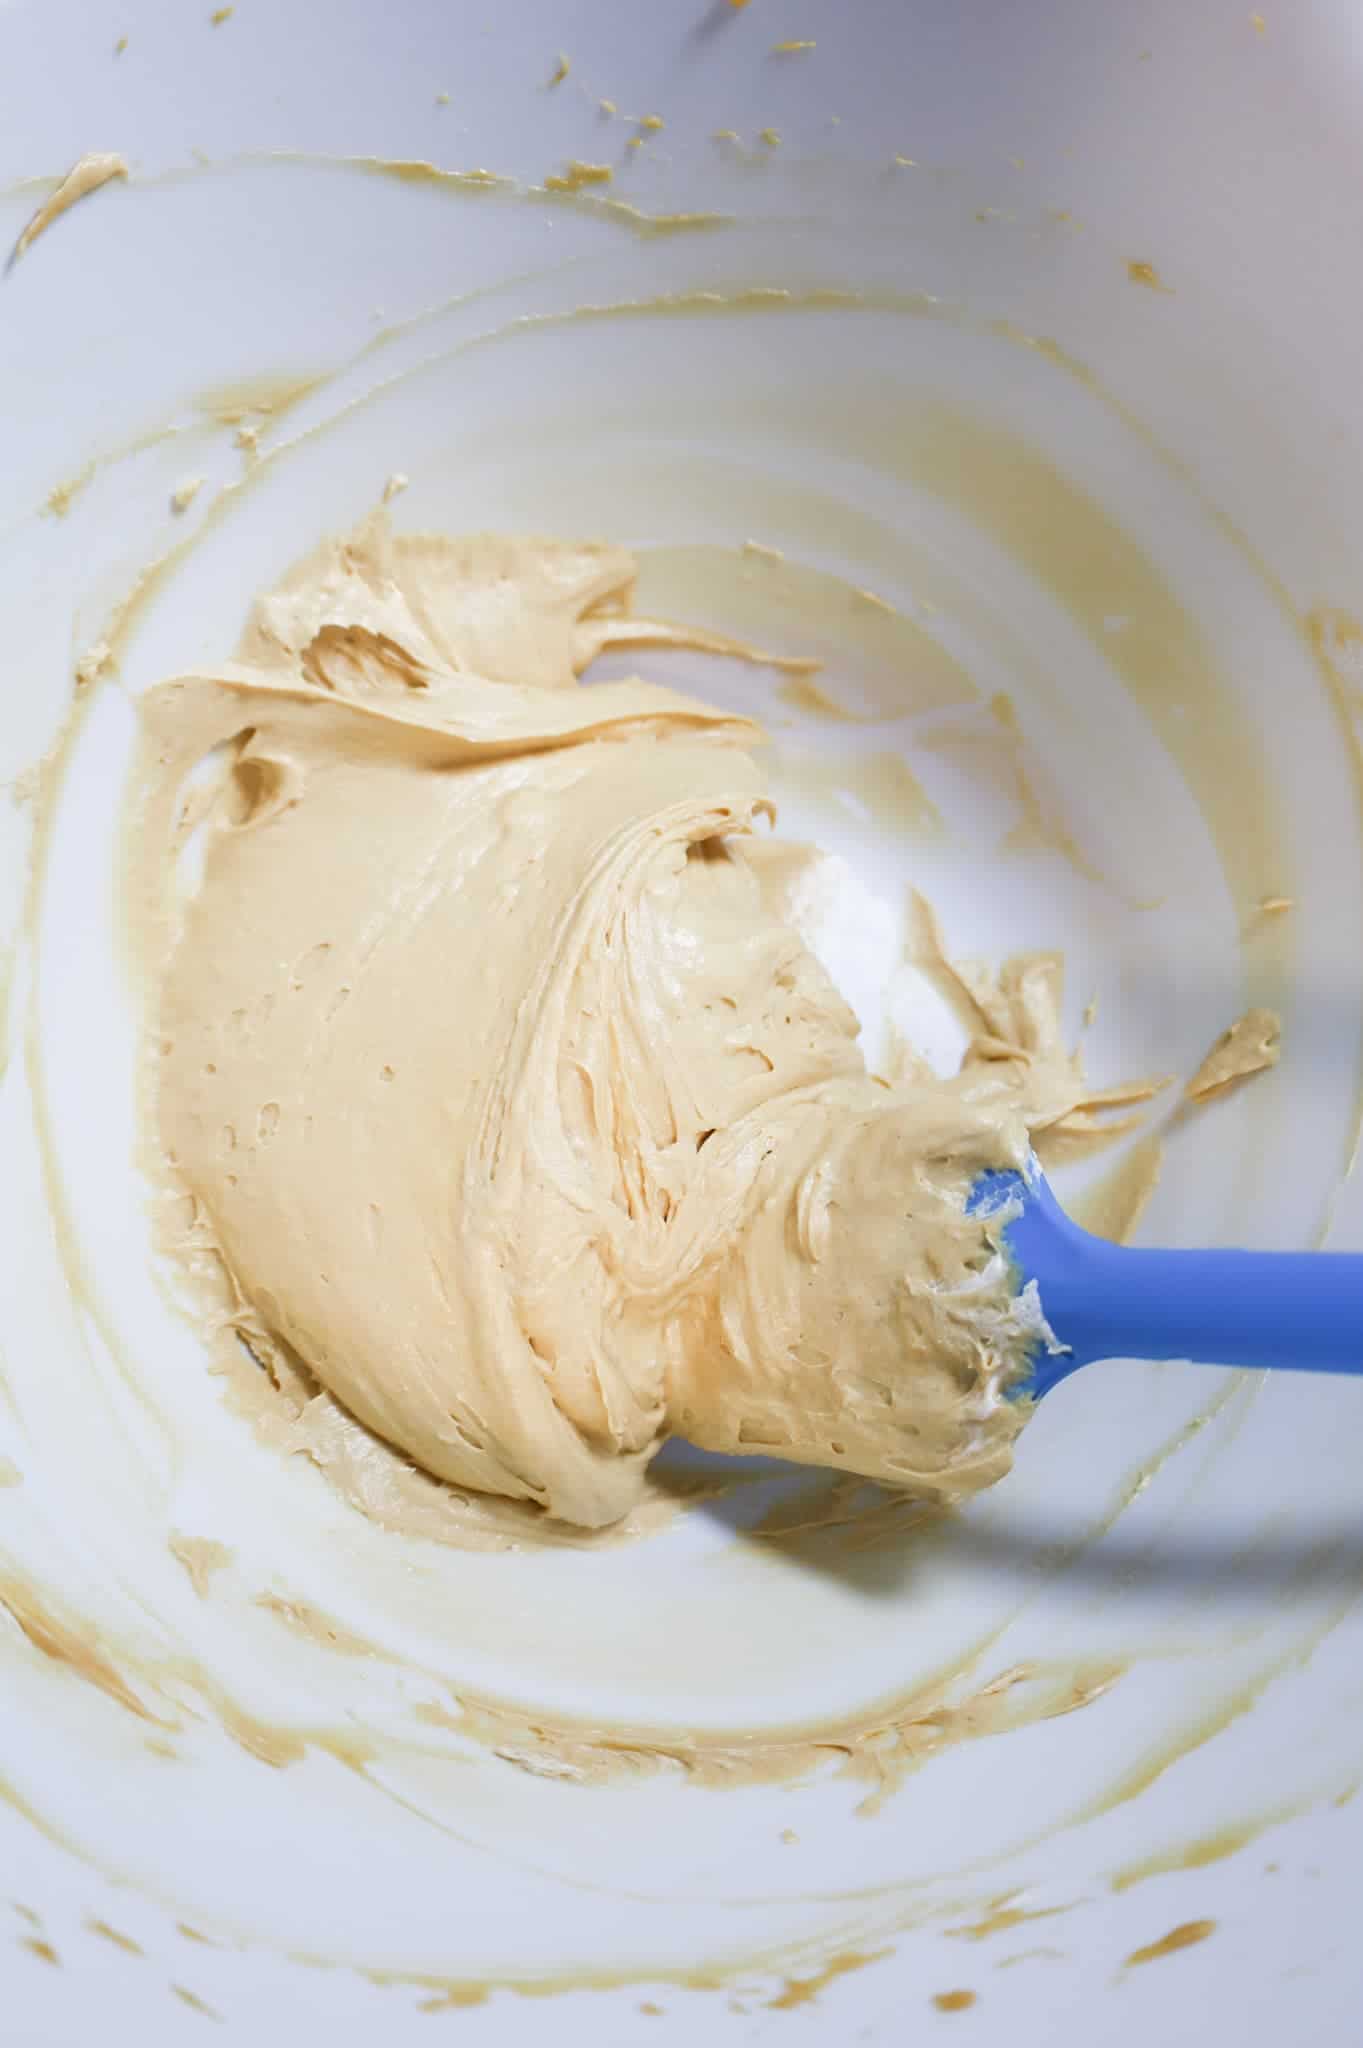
<point x="512" y="1105"/>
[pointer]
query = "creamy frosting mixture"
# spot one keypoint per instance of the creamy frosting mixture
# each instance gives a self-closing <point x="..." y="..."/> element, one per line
<point x="520" y="1118"/>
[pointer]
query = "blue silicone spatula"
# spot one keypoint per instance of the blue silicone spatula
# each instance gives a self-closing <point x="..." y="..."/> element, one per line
<point x="1302" y="1311"/>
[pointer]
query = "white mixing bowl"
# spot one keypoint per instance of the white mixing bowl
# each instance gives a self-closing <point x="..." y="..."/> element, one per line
<point x="1038" y="322"/>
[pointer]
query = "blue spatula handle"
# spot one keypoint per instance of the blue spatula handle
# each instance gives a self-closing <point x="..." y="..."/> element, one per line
<point x="1299" y="1311"/>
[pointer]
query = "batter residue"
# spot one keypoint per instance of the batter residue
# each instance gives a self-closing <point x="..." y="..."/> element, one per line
<point x="513" y="1106"/>
<point x="1251" y="1045"/>
<point x="83" y="178"/>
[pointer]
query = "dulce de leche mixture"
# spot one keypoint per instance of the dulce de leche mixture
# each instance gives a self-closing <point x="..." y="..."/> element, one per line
<point x="511" y="1103"/>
